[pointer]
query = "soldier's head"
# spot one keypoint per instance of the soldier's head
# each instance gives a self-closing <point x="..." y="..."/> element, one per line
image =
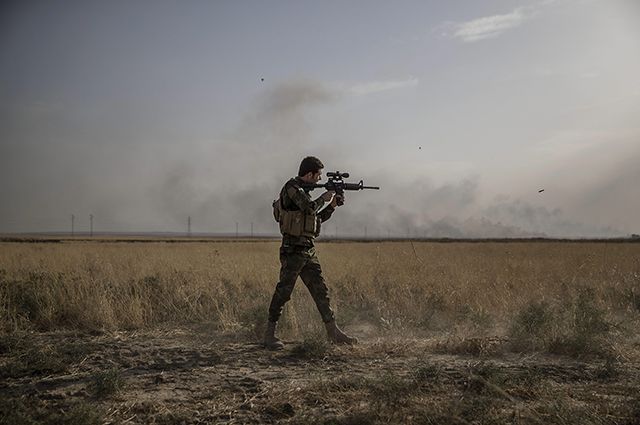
<point x="310" y="169"/>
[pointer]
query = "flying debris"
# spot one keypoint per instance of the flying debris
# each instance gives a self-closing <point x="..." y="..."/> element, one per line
<point x="419" y="147"/>
<point x="262" y="79"/>
<point x="541" y="190"/>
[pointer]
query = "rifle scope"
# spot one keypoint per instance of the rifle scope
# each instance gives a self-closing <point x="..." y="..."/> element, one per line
<point x="337" y="175"/>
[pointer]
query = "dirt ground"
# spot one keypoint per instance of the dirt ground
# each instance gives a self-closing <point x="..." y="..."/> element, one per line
<point x="197" y="375"/>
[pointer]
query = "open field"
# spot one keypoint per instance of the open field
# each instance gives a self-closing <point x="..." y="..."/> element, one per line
<point x="460" y="332"/>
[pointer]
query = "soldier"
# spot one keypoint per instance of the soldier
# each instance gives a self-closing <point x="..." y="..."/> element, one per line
<point x="300" y="218"/>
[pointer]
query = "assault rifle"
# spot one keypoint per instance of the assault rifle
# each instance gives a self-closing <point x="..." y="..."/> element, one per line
<point x="337" y="184"/>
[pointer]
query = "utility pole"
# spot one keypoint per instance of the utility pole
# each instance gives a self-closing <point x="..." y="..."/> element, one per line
<point x="90" y="225"/>
<point x="252" y="229"/>
<point x="73" y="229"/>
<point x="236" y="230"/>
<point x="189" y="226"/>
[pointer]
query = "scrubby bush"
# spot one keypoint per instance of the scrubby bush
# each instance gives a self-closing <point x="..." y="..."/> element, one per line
<point x="577" y="327"/>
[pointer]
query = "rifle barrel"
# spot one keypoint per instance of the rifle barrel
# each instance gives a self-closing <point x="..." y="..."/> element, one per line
<point x="346" y="186"/>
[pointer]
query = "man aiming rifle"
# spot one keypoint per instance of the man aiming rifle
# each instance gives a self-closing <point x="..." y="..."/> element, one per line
<point x="300" y="219"/>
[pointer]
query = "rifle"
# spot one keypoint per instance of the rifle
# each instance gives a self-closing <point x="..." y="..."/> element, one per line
<point x="337" y="184"/>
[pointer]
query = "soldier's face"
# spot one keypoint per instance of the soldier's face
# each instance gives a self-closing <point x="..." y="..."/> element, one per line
<point x="312" y="177"/>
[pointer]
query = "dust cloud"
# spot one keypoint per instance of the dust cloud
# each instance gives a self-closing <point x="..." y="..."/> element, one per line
<point x="55" y="164"/>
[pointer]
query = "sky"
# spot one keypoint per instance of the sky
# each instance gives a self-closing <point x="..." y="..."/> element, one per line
<point x="145" y="113"/>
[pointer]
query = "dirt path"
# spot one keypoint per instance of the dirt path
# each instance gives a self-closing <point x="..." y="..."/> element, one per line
<point x="184" y="376"/>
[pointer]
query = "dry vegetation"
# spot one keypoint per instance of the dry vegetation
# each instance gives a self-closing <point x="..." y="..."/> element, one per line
<point x="155" y="332"/>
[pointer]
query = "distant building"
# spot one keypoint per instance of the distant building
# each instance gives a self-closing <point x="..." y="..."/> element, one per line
<point x="635" y="236"/>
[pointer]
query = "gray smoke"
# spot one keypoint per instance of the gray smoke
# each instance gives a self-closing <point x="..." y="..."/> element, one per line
<point x="235" y="179"/>
<point x="55" y="163"/>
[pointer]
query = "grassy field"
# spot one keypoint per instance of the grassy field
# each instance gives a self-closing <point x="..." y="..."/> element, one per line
<point x="459" y="332"/>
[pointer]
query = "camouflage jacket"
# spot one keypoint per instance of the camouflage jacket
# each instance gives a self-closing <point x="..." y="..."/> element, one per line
<point x="294" y="197"/>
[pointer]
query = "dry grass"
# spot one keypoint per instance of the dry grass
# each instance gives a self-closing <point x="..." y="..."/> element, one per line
<point x="154" y="332"/>
<point x="452" y="287"/>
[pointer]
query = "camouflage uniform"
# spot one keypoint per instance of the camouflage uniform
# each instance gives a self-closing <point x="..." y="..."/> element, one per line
<point x="298" y="254"/>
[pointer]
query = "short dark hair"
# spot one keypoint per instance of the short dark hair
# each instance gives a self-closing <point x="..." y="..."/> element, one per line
<point x="310" y="164"/>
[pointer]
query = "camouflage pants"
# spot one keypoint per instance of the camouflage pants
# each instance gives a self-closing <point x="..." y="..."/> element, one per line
<point x="303" y="262"/>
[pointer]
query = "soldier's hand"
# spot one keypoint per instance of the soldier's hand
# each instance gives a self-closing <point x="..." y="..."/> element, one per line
<point x="328" y="195"/>
<point x="334" y="201"/>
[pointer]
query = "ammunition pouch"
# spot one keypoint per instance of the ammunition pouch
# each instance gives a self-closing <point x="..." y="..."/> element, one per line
<point x="297" y="223"/>
<point x="276" y="210"/>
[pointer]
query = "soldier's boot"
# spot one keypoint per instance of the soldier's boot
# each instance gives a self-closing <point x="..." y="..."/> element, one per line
<point x="337" y="336"/>
<point x="270" y="340"/>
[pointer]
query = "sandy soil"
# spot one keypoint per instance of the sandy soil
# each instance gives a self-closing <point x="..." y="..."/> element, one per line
<point x="197" y="375"/>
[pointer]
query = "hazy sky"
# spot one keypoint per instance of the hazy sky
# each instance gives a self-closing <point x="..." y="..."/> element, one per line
<point x="146" y="112"/>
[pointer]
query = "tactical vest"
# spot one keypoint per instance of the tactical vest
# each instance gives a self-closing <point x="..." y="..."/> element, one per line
<point x="296" y="222"/>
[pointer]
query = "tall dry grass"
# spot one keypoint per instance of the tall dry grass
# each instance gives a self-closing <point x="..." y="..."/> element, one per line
<point x="423" y="286"/>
